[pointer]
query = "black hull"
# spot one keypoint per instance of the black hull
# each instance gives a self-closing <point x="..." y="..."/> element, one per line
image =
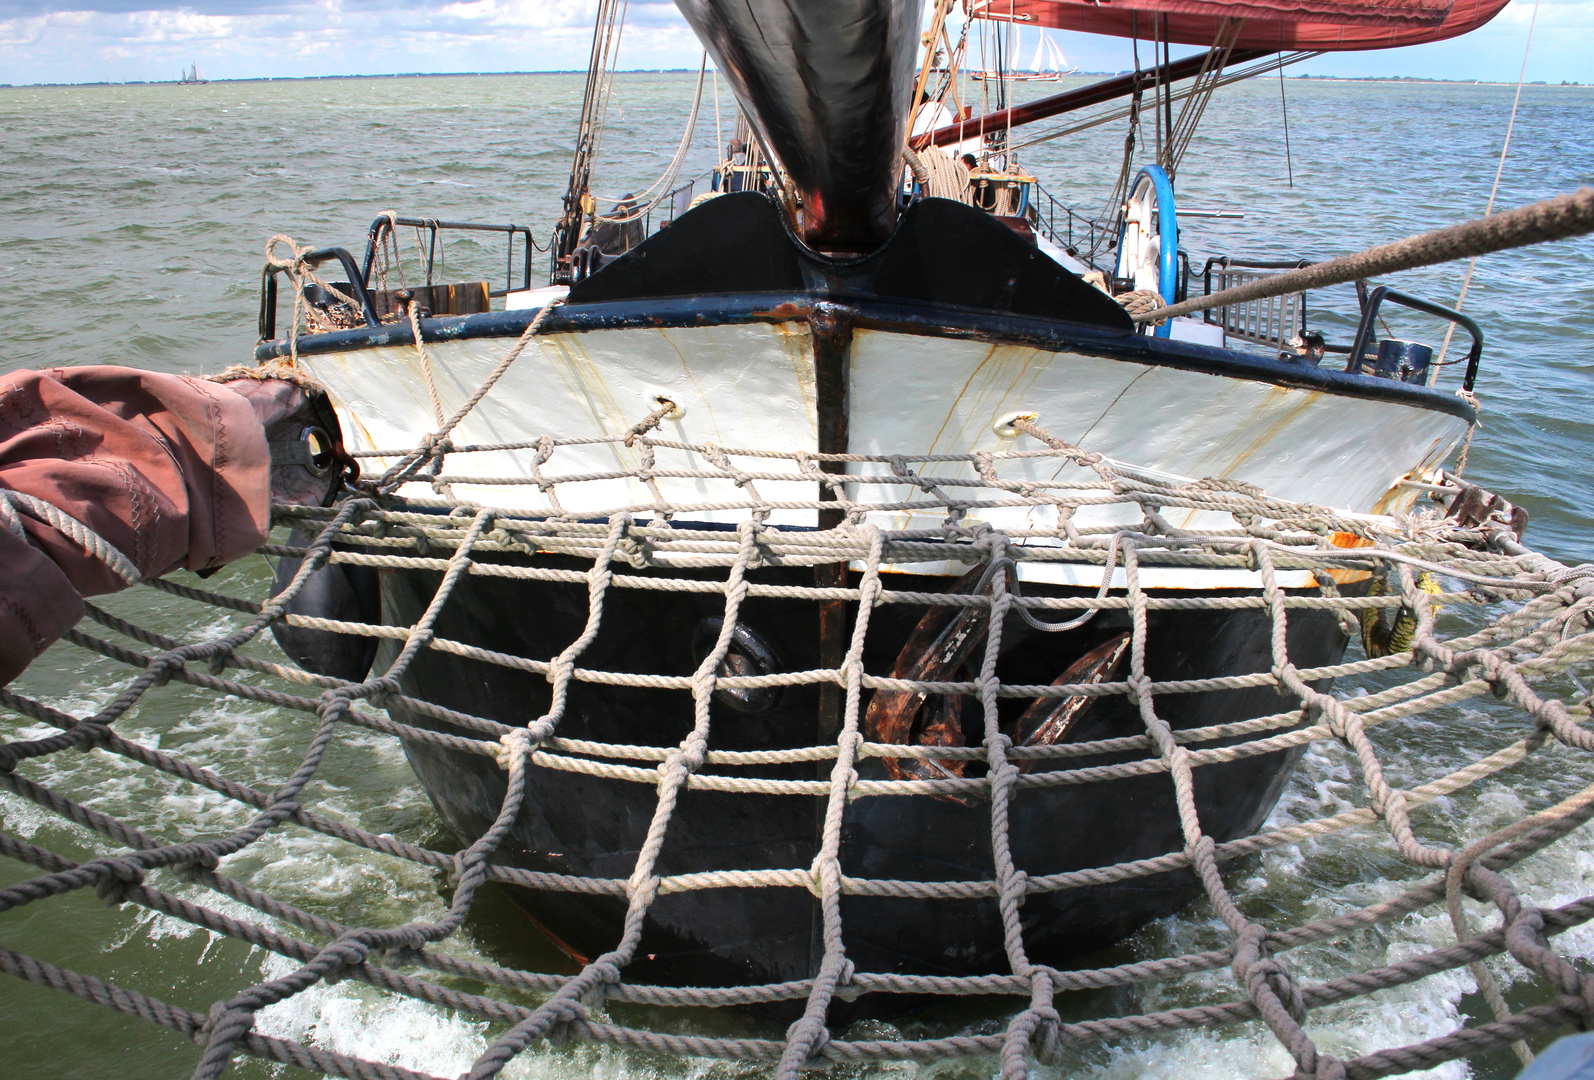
<point x="576" y="824"/>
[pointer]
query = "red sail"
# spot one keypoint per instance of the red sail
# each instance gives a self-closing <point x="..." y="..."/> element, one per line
<point x="1317" y="25"/>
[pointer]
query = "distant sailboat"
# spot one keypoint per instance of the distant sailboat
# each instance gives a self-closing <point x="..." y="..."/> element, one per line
<point x="1046" y="66"/>
<point x="192" y="77"/>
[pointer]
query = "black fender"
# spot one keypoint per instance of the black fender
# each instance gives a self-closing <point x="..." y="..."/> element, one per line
<point x="336" y="591"/>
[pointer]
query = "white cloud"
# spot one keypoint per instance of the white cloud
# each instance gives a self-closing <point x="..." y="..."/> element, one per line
<point x="185" y="26"/>
<point x="291" y="38"/>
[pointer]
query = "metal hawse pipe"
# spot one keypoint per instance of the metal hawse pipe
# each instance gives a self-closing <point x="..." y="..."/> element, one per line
<point x="826" y="83"/>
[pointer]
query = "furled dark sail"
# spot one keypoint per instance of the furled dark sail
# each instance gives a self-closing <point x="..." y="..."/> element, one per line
<point x="826" y="82"/>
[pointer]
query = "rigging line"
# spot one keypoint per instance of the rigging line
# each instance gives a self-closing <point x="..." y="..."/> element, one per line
<point x="1201" y="91"/>
<point x="605" y="33"/>
<point x="1197" y="86"/>
<point x="999" y="38"/>
<point x="985" y="84"/>
<point x="954" y="73"/>
<point x="597" y="88"/>
<point x="1129" y="152"/>
<point x="1121" y="185"/>
<point x="1165" y="89"/>
<point x="1260" y="68"/>
<point x="396" y="262"/>
<point x="777" y="174"/>
<point x="1007" y="133"/>
<point x="719" y="131"/>
<point x="420" y="253"/>
<point x="1157" y="90"/>
<point x="932" y="46"/>
<point x="608" y="57"/>
<point x="1289" y="162"/>
<point x="958" y="79"/>
<point x="1156" y="87"/>
<point x="1196" y="104"/>
<point x="1466" y="281"/>
<point x="611" y="47"/>
<point x="1134" y="105"/>
<point x="946" y="79"/>
<point x="664" y="185"/>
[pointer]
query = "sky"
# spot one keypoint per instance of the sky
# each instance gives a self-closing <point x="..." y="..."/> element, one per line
<point x="69" y="41"/>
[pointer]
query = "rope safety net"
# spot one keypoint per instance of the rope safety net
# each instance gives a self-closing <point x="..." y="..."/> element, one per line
<point x="1529" y="623"/>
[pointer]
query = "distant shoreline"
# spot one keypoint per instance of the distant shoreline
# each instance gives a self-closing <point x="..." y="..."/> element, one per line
<point x="692" y="71"/>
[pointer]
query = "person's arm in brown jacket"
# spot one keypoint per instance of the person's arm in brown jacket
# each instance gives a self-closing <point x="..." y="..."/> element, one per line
<point x="174" y="472"/>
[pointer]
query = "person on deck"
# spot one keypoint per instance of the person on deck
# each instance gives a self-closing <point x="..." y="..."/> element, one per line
<point x="736" y="160"/>
<point x="170" y="472"/>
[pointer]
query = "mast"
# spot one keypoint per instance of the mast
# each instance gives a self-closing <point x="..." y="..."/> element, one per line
<point x="578" y="205"/>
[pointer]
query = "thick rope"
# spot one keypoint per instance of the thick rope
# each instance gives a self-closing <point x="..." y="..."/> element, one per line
<point x="433" y="446"/>
<point x="664" y="187"/>
<point x="14" y="504"/>
<point x="1560" y="218"/>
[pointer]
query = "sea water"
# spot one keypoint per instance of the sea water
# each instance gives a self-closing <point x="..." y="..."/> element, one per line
<point x="132" y="227"/>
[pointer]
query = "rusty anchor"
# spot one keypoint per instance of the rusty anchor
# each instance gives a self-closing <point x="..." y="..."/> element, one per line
<point x="938" y="650"/>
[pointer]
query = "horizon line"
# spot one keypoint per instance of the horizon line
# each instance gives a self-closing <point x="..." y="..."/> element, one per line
<point x="687" y="71"/>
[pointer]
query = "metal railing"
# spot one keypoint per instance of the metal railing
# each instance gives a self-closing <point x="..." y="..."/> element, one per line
<point x="355" y="285"/>
<point x="1272" y="321"/>
<point x="1281" y="322"/>
<point x="1361" y="350"/>
<point x="1067" y="228"/>
<point x="358" y="283"/>
<point x="384" y="225"/>
<point x="680" y="200"/>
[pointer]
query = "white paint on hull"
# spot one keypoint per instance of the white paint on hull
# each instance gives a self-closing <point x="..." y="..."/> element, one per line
<point x="753" y="387"/>
<point x="521" y="299"/>
<point x="1302" y="445"/>
<point x="740" y="386"/>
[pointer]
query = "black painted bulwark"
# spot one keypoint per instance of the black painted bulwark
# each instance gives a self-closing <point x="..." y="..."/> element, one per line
<point x="941" y="252"/>
<point x="940" y="270"/>
<point x="826" y="83"/>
